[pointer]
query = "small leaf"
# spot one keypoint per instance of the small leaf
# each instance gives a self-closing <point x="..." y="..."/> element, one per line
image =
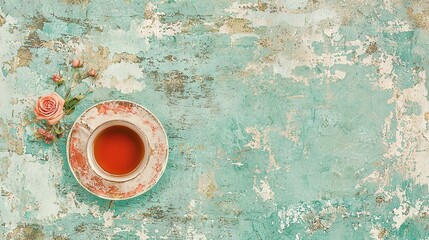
<point x="80" y="97"/>
<point x="59" y="130"/>
<point x="71" y="103"/>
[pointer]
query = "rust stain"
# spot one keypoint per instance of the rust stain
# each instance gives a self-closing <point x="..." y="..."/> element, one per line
<point x="382" y="233"/>
<point x="262" y="6"/>
<point x="421" y="19"/>
<point x="2" y="20"/>
<point x="155" y="212"/>
<point x="170" y="58"/>
<point x="266" y="42"/>
<point x="379" y="199"/>
<point x="77" y="1"/>
<point x="98" y="57"/>
<point x="126" y="57"/>
<point x="4" y="166"/>
<point x="15" y="143"/>
<point x="148" y="12"/>
<point x="34" y="40"/>
<point x="37" y="23"/>
<point x="238" y="25"/>
<point x="229" y="208"/>
<point x="316" y="225"/>
<point x="427" y="116"/>
<point x="27" y="231"/>
<point x="372" y="48"/>
<point x="175" y="83"/>
<point x="22" y="59"/>
<point x="191" y="22"/>
<point x="207" y="185"/>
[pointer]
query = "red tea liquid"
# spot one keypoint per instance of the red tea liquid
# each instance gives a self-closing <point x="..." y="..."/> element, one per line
<point x="118" y="150"/>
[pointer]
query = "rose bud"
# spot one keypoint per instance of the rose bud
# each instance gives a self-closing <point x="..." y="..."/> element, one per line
<point x="92" y="73"/>
<point x="76" y="63"/>
<point x="57" y="78"/>
<point x="47" y="136"/>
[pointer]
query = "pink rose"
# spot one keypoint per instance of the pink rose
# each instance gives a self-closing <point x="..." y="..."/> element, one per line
<point x="47" y="136"/>
<point x="50" y="108"/>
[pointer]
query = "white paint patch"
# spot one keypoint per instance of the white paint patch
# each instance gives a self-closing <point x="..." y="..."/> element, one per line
<point x="417" y="133"/>
<point x="74" y="206"/>
<point x="272" y="163"/>
<point x="142" y="234"/>
<point x="130" y="41"/>
<point x="108" y="218"/>
<point x="264" y="190"/>
<point x="192" y="234"/>
<point x="240" y="10"/>
<point x="389" y="5"/>
<point x="239" y="164"/>
<point x="235" y="36"/>
<point x="119" y="40"/>
<point x="35" y="193"/>
<point x="284" y="66"/>
<point x="293" y="214"/>
<point x="191" y="208"/>
<point x="292" y="131"/>
<point x="154" y="27"/>
<point x="375" y="232"/>
<point x="285" y="63"/>
<point x="406" y="210"/>
<point x="123" y="76"/>
<point x="333" y="33"/>
<point x="11" y="39"/>
<point x="259" y="19"/>
<point x="385" y="66"/>
<point x="192" y="205"/>
<point x="262" y="140"/>
<point x="396" y="26"/>
<point x="411" y="142"/>
<point x="256" y="141"/>
<point x="12" y="92"/>
<point x="95" y="211"/>
<point x="339" y="74"/>
<point x="207" y="185"/>
<point x="293" y="4"/>
<point x="122" y="229"/>
<point x="409" y="147"/>
<point x="24" y="194"/>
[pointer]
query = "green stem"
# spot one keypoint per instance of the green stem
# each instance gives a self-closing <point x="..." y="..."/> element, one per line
<point x="68" y="111"/>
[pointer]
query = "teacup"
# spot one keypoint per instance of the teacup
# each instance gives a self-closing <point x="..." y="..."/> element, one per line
<point x="117" y="150"/>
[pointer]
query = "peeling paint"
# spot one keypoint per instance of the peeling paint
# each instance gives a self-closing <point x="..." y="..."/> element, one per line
<point x="287" y="119"/>
<point x="126" y="81"/>
<point x="207" y="185"/>
<point x="27" y="231"/>
<point x="264" y="191"/>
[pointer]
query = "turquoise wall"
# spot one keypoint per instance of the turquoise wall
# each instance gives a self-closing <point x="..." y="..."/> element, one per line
<point x="287" y="119"/>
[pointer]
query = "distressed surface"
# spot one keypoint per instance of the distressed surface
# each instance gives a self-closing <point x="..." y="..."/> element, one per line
<point x="289" y="119"/>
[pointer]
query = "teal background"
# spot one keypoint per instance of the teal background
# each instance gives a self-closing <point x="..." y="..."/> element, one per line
<point x="297" y="119"/>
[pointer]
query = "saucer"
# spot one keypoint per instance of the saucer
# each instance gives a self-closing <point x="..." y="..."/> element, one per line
<point x="117" y="110"/>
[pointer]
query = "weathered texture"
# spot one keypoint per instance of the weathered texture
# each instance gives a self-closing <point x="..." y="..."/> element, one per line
<point x="297" y="119"/>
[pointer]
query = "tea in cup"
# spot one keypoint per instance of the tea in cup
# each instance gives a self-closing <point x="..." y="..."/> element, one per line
<point x="117" y="150"/>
